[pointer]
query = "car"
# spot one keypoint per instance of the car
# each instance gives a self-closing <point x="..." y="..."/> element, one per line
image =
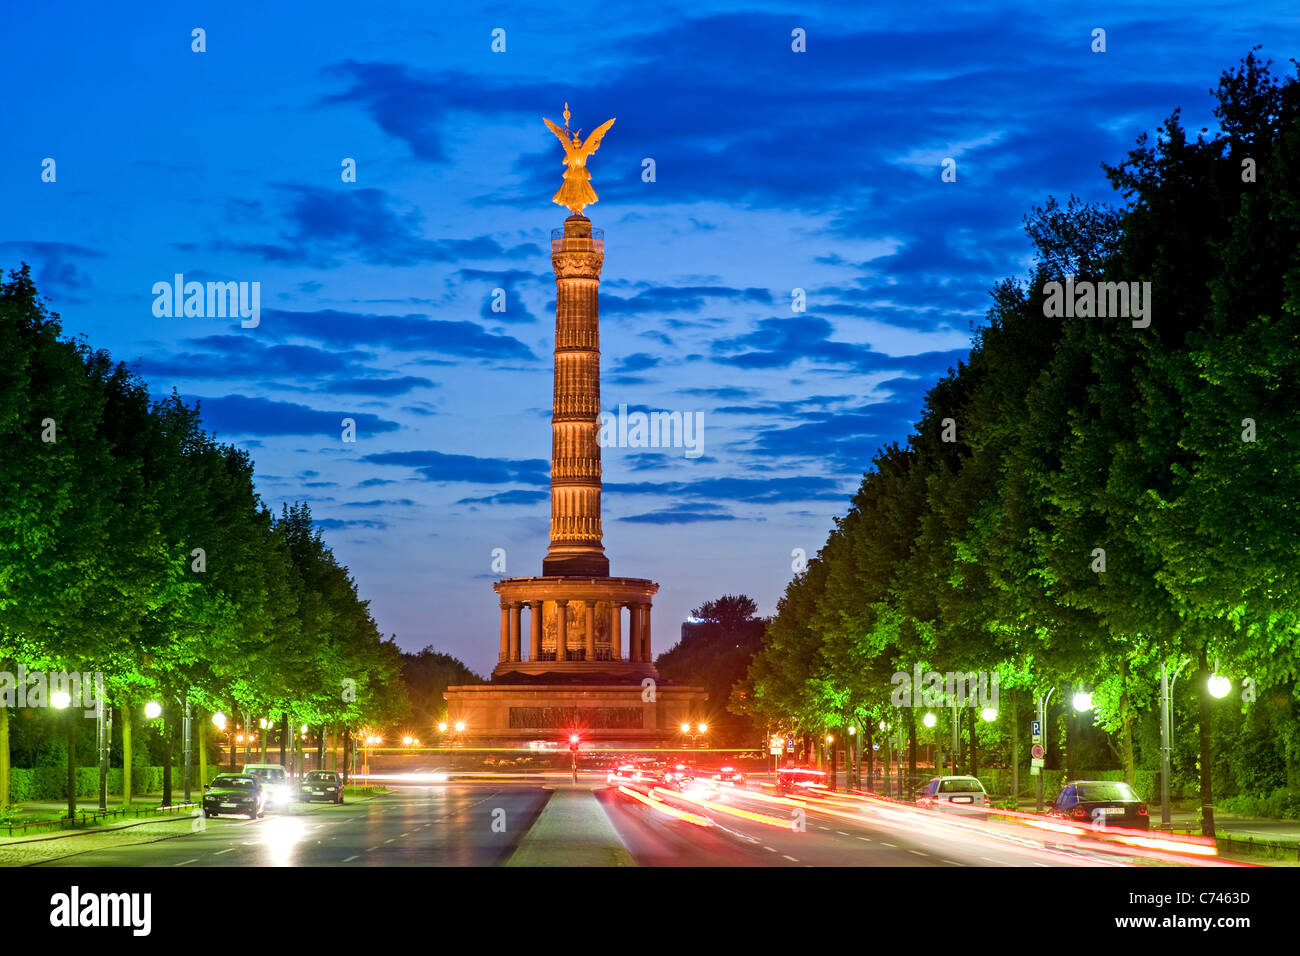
<point x="275" y="781"/>
<point x="953" y="793"/>
<point x="677" y="776"/>
<point x="321" y="785"/>
<point x="729" y="776"/>
<point x="1102" y="803"/>
<point x="234" y="794"/>
<point x="790" y="779"/>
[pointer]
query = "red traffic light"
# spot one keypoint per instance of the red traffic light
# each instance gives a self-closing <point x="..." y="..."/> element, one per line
<point x="573" y="738"/>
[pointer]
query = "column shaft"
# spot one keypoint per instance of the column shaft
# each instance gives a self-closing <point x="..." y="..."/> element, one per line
<point x="514" y="631"/>
<point x="590" y="626"/>
<point x="615" y="629"/>
<point x="535" y="631"/>
<point x="646" y="652"/>
<point x="561" y="630"/>
<point x="505" y="633"/>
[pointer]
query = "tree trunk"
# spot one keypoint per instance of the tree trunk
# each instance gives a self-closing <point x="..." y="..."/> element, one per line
<point x="974" y="746"/>
<point x="72" y="761"/>
<point x="347" y="755"/>
<point x="911" y="752"/>
<point x="1207" y="760"/>
<point x="284" y="737"/>
<point x="203" y="752"/>
<point x="127" y="755"/>
<point x="871" y="757"/>
<point x="1069" y="742"/>
<point x="4" y="757"/>
<point x="1015" y="746"/>
<point x="1126" y="755"/>
<point x="320" y="747"/>
<point x="169" y="728"/>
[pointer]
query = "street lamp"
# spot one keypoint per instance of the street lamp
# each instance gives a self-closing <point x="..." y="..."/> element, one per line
<point x="62" y="700"/>
<point x="218" y="719"/>
<point x="1218" y="686"/>
<point x="442" y="727"/>
<point x="929" y="720"/>
<point x="460" y="726"/>
<point x="1082" y="701"/>
<point x="990" y="714"/>
<point x="153" y="710"/>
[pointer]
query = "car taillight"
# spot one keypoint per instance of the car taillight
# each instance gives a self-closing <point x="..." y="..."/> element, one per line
<point x="1080" y="812"/>
<point x="1142" y="809"/>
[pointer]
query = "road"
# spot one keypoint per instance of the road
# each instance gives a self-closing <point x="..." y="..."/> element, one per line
<point x="656" y="839"/>
<point x="481" y="823"/>
<point x="445" y="825"/>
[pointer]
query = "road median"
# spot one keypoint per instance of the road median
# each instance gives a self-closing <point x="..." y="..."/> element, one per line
<point x="572" y="830"/>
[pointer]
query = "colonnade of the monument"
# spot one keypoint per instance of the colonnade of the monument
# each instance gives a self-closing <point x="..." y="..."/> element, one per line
<point x="638" y="632"/>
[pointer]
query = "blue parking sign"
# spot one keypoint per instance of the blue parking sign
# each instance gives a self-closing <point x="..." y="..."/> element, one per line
<point x="1035" y="727"/>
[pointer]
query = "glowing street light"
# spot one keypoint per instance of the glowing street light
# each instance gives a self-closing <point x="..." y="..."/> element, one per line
<point x="460" y="726"/>
<point x="929" y="720"/>
<point x="153" y="709"/>
<point x="218" y="719"/>
<point x="407" y="740"/>
<point x="1082" y="701"/>
<point x="830" y="738"/>
<point x="60" y="700"/>
<point x="704" y="728"/>
<point x="262" y="723"/>
<point x="852" y="730"/>
<point x="686" y="728"/>
<point x="1218" y="686"/>
<point x="990" y="714"/>
<point x="442" y="727"/>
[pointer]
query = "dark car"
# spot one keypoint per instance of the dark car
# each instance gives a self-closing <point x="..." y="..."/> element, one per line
<point x="677" y="776"/>
<point x="1110" y="803"/>
<point x="234" y="794"/>
<point x="729" y="776"/>
<point x="793" y="779"/>
<point x="321" y="785"/>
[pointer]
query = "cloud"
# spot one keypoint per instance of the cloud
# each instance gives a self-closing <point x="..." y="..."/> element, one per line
<point x="681" y="514"/>
<point x="516" y="496"/>
<point x="436" y="466"/>
<point x="245" y="415"/>
<point x="326" y="226"/>
<point x="750" y="490"/>
<point x="408" y="333"/>
<point x="378" y="386"/>
<point x="55" y="269"/>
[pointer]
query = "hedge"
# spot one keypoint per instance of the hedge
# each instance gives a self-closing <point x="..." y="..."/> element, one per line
<point x="1146" y="782"/>
<point x="51" y="783"/>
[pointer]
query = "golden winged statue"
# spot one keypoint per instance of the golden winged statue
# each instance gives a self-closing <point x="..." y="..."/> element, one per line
<point x="576" y="191"/>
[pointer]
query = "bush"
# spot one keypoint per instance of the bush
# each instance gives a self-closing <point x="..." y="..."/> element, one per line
<point x="1280" y="804"/>
<point x="51" y="783"/>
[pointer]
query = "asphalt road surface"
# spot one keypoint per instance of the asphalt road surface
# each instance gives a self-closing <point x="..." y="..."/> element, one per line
<point x="482" y="823"/>
<point x="446" y="825"/>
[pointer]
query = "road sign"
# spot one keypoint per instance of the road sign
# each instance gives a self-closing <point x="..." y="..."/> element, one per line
<point x="1035" y="727"/>
<point x="1036" y="751"/>
<point x="1033" y="771"/>
<point x="1035" y="763"/>
<point x="789" y="742"/>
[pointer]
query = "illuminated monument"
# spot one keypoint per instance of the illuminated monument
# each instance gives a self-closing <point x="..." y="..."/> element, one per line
<point x="583" y="669"/>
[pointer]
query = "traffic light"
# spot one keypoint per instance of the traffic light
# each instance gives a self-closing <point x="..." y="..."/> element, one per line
<point x="573" y="742"/>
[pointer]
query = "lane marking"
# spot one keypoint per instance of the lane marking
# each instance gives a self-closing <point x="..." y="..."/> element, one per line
<point x="789" y="857"/>
<point x="770" y="849"/>
<point x="183" y="862"/>
<point x="954" y="863"/>
<point x="841" y="833"/>
<point x="386" y="842"/>
<point x="349" y="859"/>
<point x="227" y="850"/>
<point x="890" y="845"/>
<point x="369" y="849"/>
<point x="865" y="839"/>
<point x="918" y="852"/>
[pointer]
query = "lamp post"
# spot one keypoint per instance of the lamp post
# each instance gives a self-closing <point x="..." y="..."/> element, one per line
<point x="1042" y="724"/>
<point x="62" y="700"/>
<point x="1167" y="732"/>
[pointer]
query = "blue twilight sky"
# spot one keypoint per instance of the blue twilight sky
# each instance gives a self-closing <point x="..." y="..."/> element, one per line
<point x="775" y="170"/>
